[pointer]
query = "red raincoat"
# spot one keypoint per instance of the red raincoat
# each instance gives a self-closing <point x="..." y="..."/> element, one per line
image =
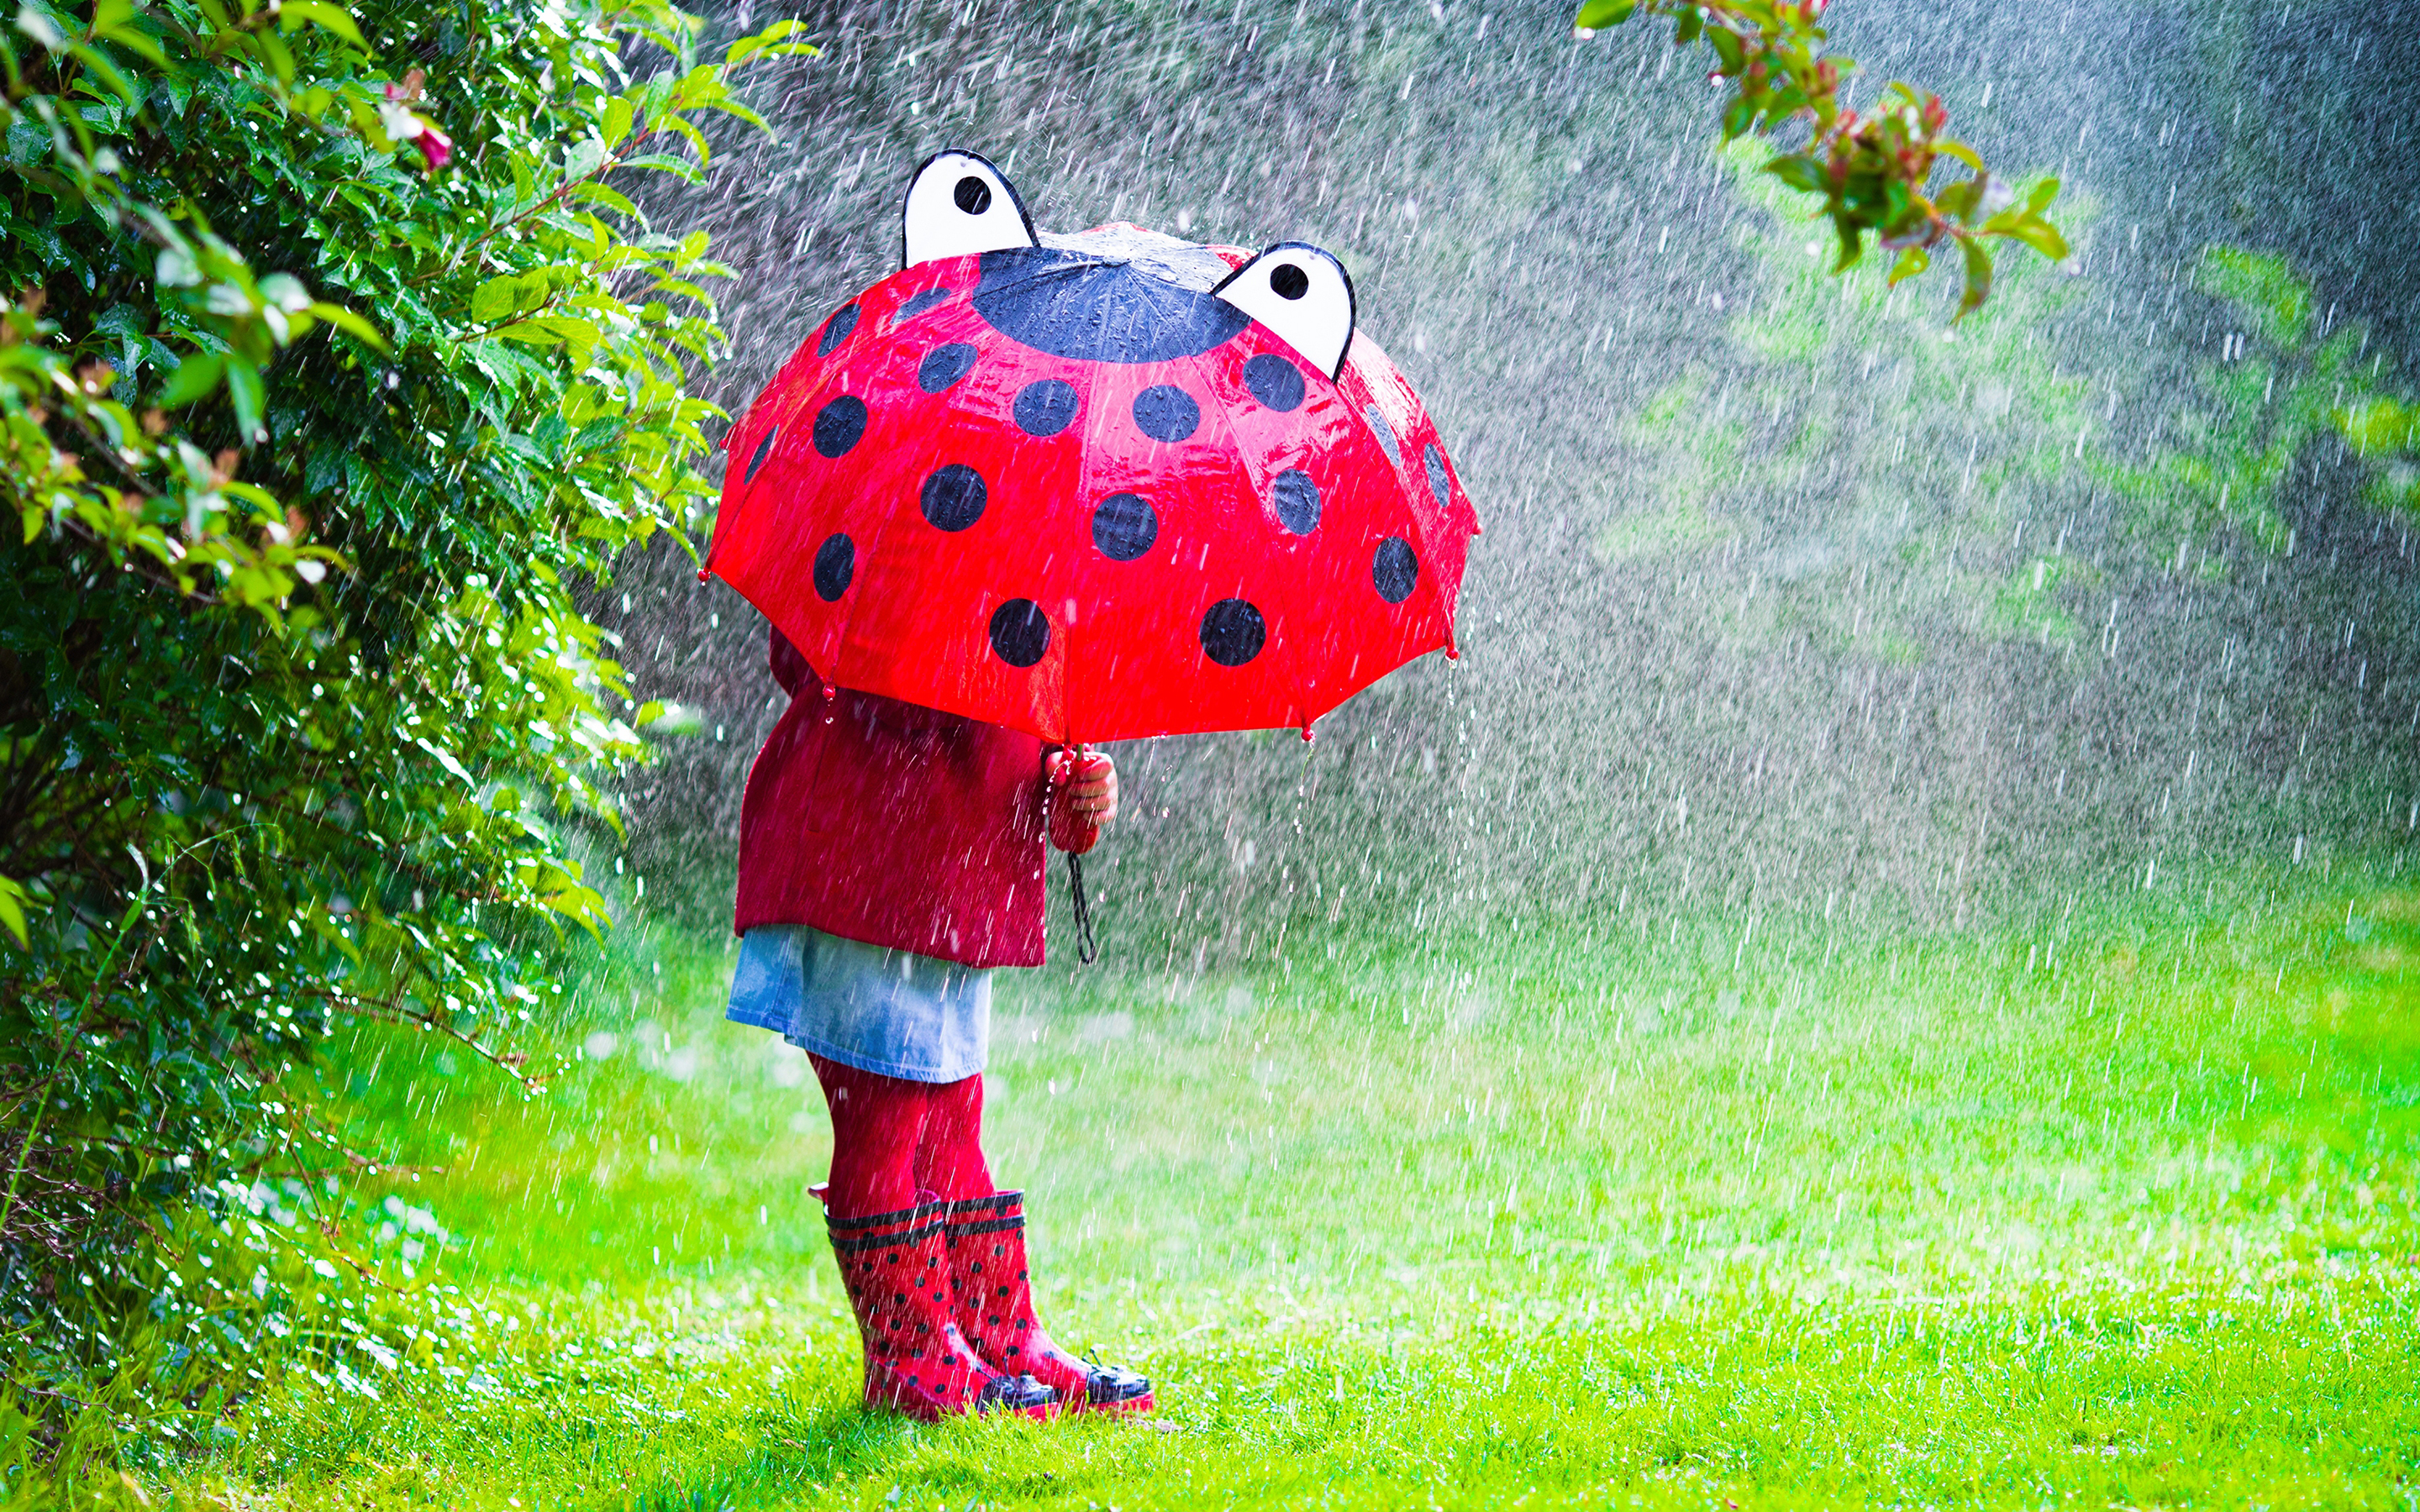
<point x="894" y="824"/>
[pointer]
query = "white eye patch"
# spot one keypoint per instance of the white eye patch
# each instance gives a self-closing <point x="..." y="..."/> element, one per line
<point x="958" y="204"/>
<point x="1303" y="294"/>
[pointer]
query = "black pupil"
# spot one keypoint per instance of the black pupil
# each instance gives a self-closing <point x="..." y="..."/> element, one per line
<point x="1290" y="282"/>
<point x="975" y="197"/>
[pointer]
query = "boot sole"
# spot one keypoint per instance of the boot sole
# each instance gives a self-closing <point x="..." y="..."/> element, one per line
<point x="929" y="1412"/>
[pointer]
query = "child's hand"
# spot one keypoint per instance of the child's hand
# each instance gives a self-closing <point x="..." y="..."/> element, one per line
<point x="1094" y="792"/>
<point x="1083" y="798"/>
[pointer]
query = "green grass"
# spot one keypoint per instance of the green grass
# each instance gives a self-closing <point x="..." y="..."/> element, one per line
<point x="1948" y="1224"/>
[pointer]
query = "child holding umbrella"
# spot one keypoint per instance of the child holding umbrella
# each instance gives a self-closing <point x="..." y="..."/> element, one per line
<point x="890" y="857"/>
<point x="1022" y="495"/>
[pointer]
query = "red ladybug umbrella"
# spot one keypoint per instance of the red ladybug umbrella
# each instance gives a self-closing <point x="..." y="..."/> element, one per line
<point x="1095" y="487"/>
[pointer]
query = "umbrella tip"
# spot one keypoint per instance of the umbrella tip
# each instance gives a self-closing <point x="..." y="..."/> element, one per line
<point x="1306" y="735"/>
<point x="701" y="574"/>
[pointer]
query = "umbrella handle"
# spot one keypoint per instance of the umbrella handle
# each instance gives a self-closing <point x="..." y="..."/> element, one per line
<point x="1070" y="832"/>
<point x="1087" y="950"/>
<point x="1075" y="834"/>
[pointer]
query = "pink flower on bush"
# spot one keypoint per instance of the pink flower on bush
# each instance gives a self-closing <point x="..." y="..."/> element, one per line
<point x="406" y="125"/>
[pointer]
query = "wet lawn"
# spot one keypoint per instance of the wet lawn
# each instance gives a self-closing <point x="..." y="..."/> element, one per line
<point x="1560" y="1221"/>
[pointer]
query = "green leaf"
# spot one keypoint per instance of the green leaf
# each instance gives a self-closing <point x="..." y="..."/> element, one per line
<point x="1963" y="153"/>
<point x="1799" y="172"/>
<point x="196" y="376"/>
<point x="618" y="113"/>
<point x="346" y="320"/>
<point x="2036" y="233"/>
<point x="495" y="298"/>
<point x="1979" y="277"/>
<point x="93" y="58"/>
<point x="612" y="199"/>
<point x="670" y="720"/>
<point x="774" y="41"/>
<point x="293" y="13"/>
<point x="12" y="912"/>
<point x="1912" y="262"/>
<point x="1728" y="49"/>
<point x="1852" y="243"/>
<point x="249" y="394"/>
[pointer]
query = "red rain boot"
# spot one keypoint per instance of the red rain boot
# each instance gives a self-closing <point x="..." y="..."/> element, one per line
<point x="916" y="1360"/>
<point x="995" y="1310"/>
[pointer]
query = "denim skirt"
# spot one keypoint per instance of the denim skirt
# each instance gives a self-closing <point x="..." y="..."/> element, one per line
<point x="893" y="1012"/>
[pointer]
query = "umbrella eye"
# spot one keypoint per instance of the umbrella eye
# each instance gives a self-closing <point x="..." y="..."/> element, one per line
<point x="958" y="205"/>
<point x="1302" y="294"/>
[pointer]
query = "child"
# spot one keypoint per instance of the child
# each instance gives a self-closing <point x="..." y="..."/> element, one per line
<point x="890" y="858"/>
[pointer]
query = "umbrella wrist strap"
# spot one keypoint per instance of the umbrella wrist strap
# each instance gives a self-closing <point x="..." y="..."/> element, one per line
<point x="1087" y="950"/>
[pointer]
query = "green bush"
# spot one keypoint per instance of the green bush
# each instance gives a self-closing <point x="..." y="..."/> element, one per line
<point x="335" y="361"/>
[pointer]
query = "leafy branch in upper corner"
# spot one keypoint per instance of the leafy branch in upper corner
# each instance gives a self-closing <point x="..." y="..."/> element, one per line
<point x="1871" y="170"/>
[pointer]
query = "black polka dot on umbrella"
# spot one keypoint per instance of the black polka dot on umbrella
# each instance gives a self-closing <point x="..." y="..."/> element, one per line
<point x="1439" y="483"/>
<point x="839" y="423"/>
<point x="1385" y="433"/>
<point x="954" y="496"/>
<point x="1395" y="570"/>
<point x="835" y="564"/>
<point x="1125" y="526"/>
<point x="1045" y="407"/>
<point x="972" y="194"/>
<point x="836" y="329"/>
<point x="1232" y="632"/>
<point x="1297" y="500"/>
<point x="757" y="458"/>
<point x="1020" y="632"/>
<point x="1164" y="412"/>
<point x="944" y="365"/>
<point x="916" y="304"/>
<point x="1273" y="381"/>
